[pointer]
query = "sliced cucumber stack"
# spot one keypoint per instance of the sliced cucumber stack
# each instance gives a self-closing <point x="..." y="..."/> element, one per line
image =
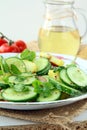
<point x="10" y="94"/>
<point x="71" y="91"/>
<point x="43" y="65"/>
<point x="65" y="88"/>
<point x="65" y="78"/>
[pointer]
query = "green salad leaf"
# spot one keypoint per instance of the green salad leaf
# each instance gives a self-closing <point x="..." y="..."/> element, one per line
<point x="44" y="88"/>
<point x="4" y="66"/>
<point x="28" y="55"/>
<point x="15" y="70"/>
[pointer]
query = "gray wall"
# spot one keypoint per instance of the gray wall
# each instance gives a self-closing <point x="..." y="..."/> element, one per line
<point x="21" y="19"/>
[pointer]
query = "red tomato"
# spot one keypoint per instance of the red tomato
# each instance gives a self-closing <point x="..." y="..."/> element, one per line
<point x="21" y="45"/>
<point x="2" y="41"/>
<point x="8" y="48"/>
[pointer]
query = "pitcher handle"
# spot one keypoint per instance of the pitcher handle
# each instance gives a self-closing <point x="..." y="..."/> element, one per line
<point x="81" y="12"/>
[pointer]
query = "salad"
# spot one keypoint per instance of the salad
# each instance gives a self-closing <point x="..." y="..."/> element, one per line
<point x="27" y="77"/>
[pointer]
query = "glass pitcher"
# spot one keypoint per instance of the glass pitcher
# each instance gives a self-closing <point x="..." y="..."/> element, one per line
<point x="59" y="33"/>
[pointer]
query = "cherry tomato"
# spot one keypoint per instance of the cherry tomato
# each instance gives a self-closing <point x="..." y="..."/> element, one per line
<point x="8" y="45"/>
<point x="8" y="48"/>
<point x="2" y="41"/>
<point x="21" y="45"/>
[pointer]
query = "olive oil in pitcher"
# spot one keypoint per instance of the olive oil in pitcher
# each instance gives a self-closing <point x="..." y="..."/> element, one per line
<point x="62" y="40"/>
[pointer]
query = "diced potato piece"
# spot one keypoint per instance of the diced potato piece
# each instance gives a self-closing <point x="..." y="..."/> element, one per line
<point x="53" y="74"/>
<point x="45" y="55"/>
<point x="56" y="61"/>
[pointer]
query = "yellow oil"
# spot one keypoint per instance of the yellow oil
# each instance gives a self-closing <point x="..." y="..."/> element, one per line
<point x="62" y="40"/>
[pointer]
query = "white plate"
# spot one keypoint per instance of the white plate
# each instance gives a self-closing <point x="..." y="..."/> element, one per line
<point x="44" y="105"/>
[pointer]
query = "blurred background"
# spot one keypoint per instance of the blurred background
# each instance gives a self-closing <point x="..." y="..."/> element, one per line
<point x="21" y="19"/>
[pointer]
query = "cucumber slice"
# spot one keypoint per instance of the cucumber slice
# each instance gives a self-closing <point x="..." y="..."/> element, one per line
<point x="10" y="94"/>
<point x="45" y="71"/>
<point x="27" y="74"/>
<point x="13" y="79"/>
<point x="29" y="80"/>
<point x="22" y="80"/>
<point x="65" y="88"/>
<point x="77" y="76"/>
<point x="69" y="90"/>
<point x="54" y="96"/>
<point x="64" y="77"/>
<point x="17" y="62"/>
<point x="30" y="66"/>
<point x="41" y="63"/>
